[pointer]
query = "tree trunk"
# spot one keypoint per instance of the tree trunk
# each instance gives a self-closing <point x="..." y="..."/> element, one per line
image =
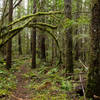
<point x="19" y="44"/>
<point x="52" y="51"/>
<point x="3" y="49"/>
<point x="69" y="56"/>
<point x="39" y="46"/>
<point x="43" y="56"/>
<point x="28" y="43"/>
<point x="34" y="40"/>
<point x="77" y="32"/>
<point x="19" y="35"/>
<point x="42" y="36"/>
<point x="9" y="44"/>
<point x="93" y="86"/>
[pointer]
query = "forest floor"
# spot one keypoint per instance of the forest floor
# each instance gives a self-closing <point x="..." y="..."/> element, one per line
<point x="46" y="82"/>
<point x="21" y="93"/>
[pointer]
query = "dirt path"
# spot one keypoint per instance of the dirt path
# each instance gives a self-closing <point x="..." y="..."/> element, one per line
<point x="21" y="93"/>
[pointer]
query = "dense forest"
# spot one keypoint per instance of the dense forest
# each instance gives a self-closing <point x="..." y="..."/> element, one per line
<point x="49" y="49"/>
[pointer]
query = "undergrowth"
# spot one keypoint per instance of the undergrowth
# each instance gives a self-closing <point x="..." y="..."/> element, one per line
<point x="7" y="78"/>
<point x="46" y="82"/>
<point x="51" y="83"/>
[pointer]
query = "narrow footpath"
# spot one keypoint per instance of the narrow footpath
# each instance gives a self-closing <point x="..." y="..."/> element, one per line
<point x="21" y="93"/>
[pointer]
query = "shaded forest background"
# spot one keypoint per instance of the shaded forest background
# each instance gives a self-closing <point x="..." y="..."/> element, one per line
<point x="55" y="37"/>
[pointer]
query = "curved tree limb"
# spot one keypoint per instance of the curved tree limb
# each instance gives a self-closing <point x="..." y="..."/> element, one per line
<point x="34" y="15"/>
<point x="48" y="31"/>
<point x="13" y="32"/>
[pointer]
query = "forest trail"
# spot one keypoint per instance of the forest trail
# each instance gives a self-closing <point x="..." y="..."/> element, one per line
<point x="21" y="93"/>
<point x="43" y="83"/>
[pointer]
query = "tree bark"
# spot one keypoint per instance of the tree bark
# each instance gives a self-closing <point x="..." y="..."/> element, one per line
<point x="42" y="36"/>
<point x="77" y="32"/>
<point x="43" y="56"/>
<point x="69" y="55"/>
<point x="52" y="51"/>
<point x="19" y="44"/>
<point x="9" y="44"/>
<point x="93" y="85"/>
<point x="19" y="35"/>
<point x="34" y="40"/>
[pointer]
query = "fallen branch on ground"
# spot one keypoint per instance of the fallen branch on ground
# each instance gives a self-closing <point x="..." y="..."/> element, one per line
<point x="81" y="80"/>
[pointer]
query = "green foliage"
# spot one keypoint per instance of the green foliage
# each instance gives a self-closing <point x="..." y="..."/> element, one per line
<point x="83" y="20"/>
<point x="7" y="82"/>
<point x="2" y="62"/>
<point x="7" y="78"/>
<point x="3" y="92"/>
<point x="30" y="75"/>
<point x="69" y="23"/>
<point x="52" y="71"/>
<point x="80" y="36"/>
<point x="66" y="85"/>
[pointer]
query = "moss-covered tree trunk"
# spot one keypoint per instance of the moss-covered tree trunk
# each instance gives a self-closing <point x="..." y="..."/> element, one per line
<point x="93" y="85"/>
<point x="69" y="56"/>
<point x="9" y="44"/>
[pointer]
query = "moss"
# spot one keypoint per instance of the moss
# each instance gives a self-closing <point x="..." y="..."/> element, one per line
<point x="44" y="25"/>
<point x="11" y="33"/>
<point x="33" y="15"/>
